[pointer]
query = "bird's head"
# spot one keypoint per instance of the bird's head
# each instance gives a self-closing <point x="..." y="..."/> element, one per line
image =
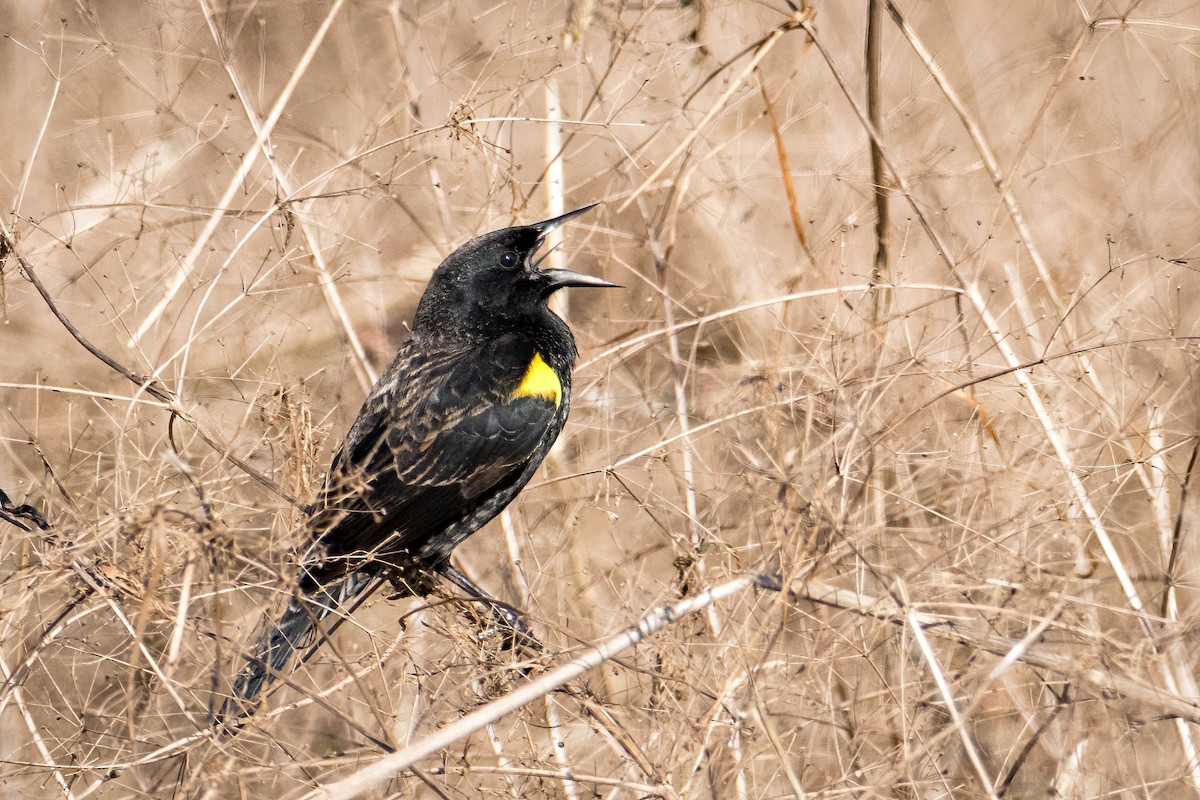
<point x="494" y="282"/>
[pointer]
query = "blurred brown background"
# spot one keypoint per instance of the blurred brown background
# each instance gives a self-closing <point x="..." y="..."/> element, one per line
<point x="767" y="393"/>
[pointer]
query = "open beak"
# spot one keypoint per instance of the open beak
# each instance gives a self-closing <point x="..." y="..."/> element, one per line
<point x="545" y="227"/>
<point x="562" y="278"/>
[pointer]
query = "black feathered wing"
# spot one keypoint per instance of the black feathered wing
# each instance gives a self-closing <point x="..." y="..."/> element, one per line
<point x="439" y="448"/>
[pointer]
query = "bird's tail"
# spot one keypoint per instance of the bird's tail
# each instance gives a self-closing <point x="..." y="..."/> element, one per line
<point x="294" y="631"/>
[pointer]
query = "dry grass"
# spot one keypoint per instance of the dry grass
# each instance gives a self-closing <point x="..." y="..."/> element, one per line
<point x="973" y="469"/>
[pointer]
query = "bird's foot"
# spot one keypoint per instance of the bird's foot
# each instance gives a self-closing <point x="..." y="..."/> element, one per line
<point x="508" y="624"/>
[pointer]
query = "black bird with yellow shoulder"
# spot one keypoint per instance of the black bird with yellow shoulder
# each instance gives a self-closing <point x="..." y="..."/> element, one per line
<point x="449" y="435"/>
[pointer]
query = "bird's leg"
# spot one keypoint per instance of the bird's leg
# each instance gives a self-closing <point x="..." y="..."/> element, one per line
<point x="508" y="619"/>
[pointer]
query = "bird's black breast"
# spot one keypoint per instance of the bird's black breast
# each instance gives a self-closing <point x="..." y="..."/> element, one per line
<point x="443" y="443"/>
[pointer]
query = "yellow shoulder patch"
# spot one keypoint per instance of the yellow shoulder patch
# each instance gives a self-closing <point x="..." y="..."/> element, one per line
<point x="540" y="381"/>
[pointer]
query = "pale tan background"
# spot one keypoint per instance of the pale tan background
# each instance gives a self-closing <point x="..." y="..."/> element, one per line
<point x="865" y="437"/>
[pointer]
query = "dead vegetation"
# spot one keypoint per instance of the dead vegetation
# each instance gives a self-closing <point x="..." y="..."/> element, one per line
<point x="969" y="453"/>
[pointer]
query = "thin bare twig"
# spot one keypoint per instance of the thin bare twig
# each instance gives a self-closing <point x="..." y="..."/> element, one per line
<point x="874" y="57"/>
<point x="147" y="384"/>
<point x="760" y="53"/>
<point x="986" y="781"/>
<point x="237" y="182"/>
<point x="389" y="765"/>
<point x="785" y="173"/>
<point x="329" y="290"/>
<point x="1068" y="665"/>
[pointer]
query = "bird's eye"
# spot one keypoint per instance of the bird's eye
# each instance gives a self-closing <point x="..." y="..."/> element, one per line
<point x="510" y="260"/>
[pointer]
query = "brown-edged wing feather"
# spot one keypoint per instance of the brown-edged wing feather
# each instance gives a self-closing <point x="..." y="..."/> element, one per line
<point x="440" y="447"/>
